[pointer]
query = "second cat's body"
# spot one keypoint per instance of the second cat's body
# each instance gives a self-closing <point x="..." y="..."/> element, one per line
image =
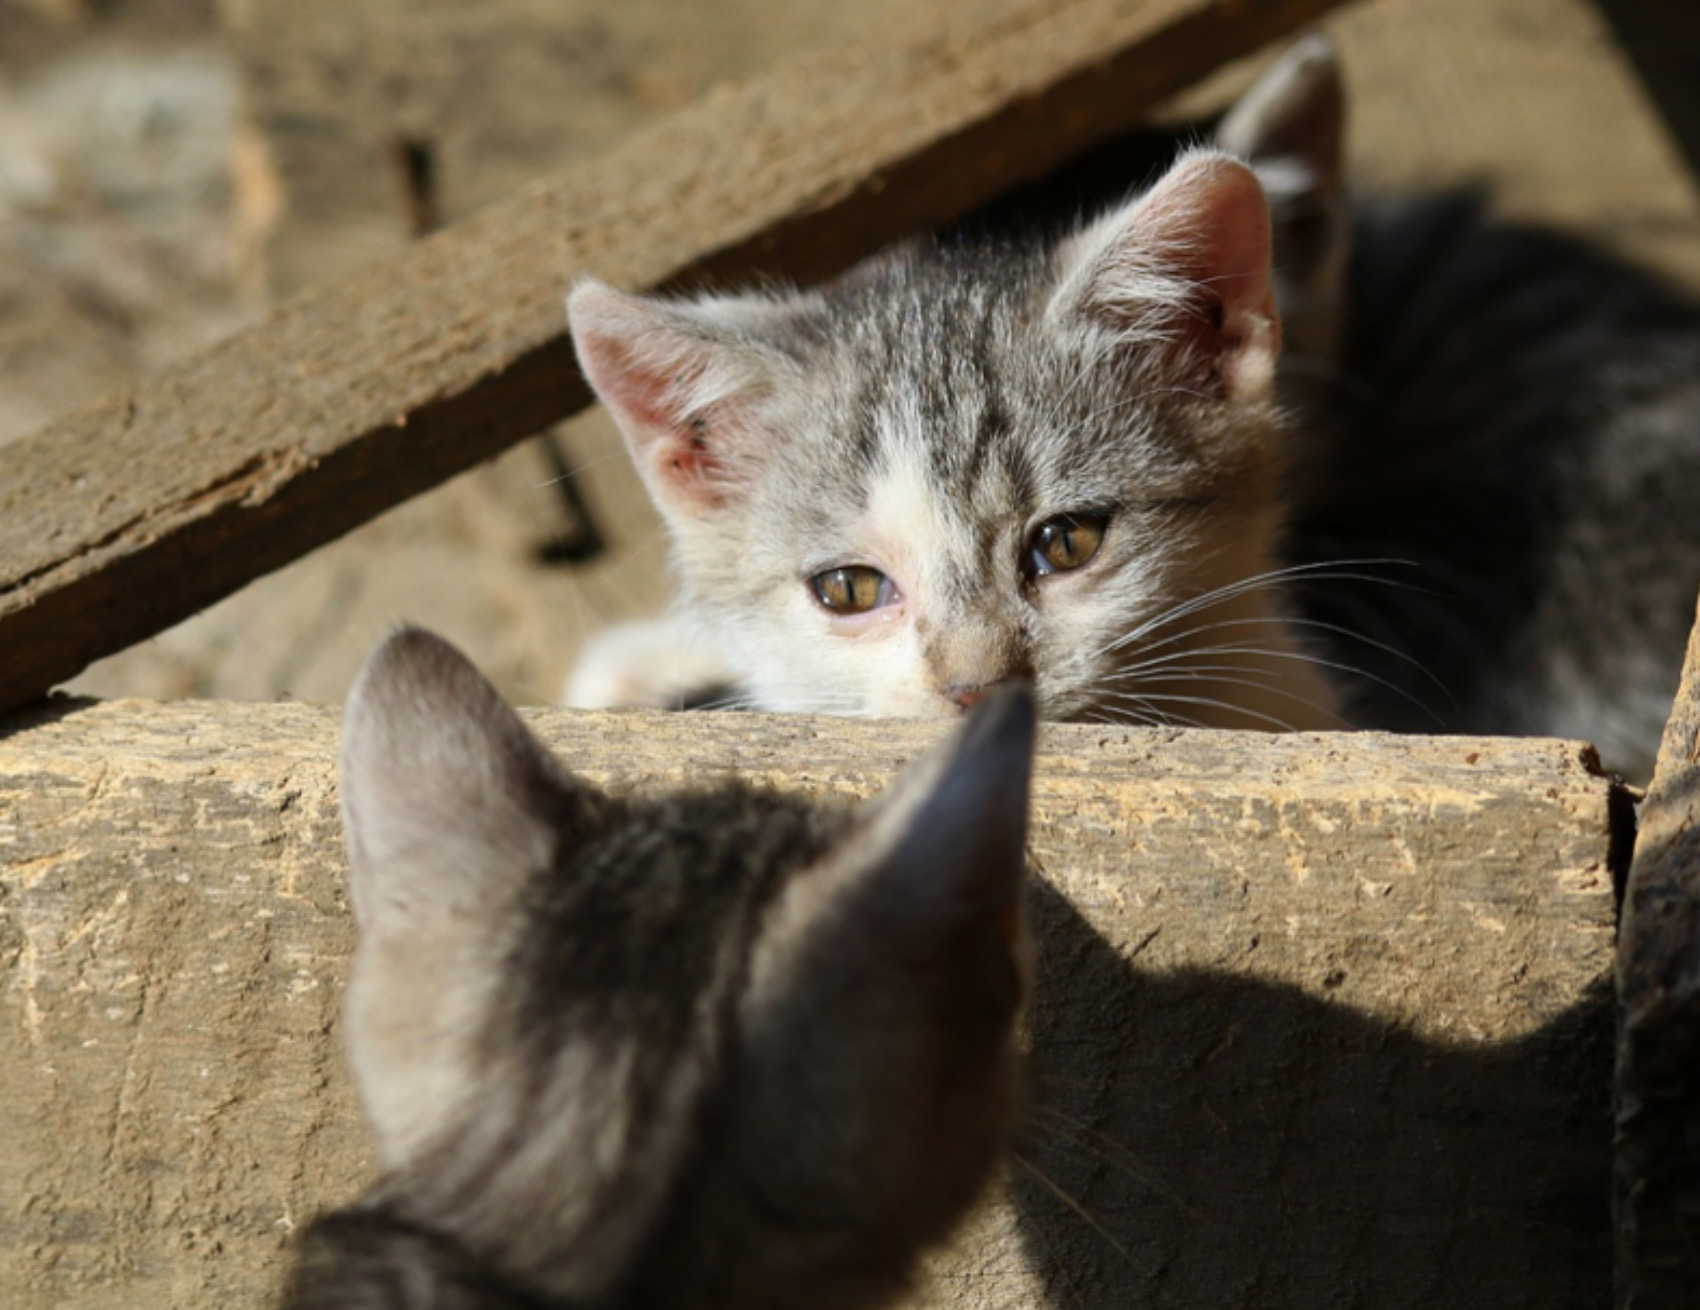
<point x="1517" y="417"/>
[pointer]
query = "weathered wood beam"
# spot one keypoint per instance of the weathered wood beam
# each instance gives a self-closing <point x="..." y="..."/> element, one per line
<point x="1656" y="1184"/>
<point x="126" y="517"/>
<point x="1321" y="1020"/>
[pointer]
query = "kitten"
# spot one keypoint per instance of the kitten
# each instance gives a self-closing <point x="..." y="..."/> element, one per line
<point x="1455" y="503"/>
<point x="1055" y="454"/>
<point x="973" y="459"/>
<point x="726" y="1048"/>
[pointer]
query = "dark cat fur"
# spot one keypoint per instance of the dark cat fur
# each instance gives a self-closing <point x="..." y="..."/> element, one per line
<point x="1518" y="415"/>
<point x="725" y="1048"/>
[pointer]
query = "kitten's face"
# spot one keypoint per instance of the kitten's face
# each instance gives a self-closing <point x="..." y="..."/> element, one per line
<point x="722" y="1048"/>
<point x="964" y="463"/>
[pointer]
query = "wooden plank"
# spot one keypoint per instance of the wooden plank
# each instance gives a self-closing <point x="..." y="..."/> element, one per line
<point x="1321" y="1020"/>
<point x="1656" y="1177"/>
<point x="124" y="518"/>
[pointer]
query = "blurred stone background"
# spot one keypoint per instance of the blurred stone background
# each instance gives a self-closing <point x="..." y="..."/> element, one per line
<point x="169" y="167"/>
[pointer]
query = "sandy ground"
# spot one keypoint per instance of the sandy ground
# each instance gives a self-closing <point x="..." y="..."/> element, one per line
<point x="136" y="225"/>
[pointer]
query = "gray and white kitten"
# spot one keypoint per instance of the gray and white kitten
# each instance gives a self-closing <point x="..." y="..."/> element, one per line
<point x="1458" y="501"/>
<point x="973" y="460"/>
<point x="724" y="1048"/>
<point x="974" y="457"/>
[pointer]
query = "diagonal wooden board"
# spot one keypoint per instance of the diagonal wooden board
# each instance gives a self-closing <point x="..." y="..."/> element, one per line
<point x="126" y="517"/>
<point x="1322" y="1020"/>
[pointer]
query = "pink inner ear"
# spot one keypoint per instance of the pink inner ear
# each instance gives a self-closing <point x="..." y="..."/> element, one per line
<point x="1219" y="228"/>
<point x="648" y="369"/>
<point x="652" y="408"/>
<point x="1209" y="221"/>
<point x="1184" y="272"/>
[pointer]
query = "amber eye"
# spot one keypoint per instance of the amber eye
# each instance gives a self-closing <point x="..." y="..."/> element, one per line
<point x="852" y="589"/>
<point x="1065" y="542"/>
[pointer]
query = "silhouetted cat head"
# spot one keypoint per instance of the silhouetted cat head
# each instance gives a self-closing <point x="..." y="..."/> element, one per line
<point x="726" y="1047"/>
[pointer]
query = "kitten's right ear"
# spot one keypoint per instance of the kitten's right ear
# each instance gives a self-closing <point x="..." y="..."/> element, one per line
<point x="880" y="1023"/>
<point x="939" y="859"/>
<point x="1183" y="272"/>
<point x="684" y="382"/>
<point x="448" y="800"/>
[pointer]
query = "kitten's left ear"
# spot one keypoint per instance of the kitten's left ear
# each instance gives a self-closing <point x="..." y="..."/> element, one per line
<point x="1184" y="270"/>
<point x="448" y="800"/>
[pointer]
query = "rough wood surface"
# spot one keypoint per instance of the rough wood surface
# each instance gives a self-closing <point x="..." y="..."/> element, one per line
<point x="1322" y="1021"/>
<point x="1656" y="1184"/>
<point x="124" y="518"/>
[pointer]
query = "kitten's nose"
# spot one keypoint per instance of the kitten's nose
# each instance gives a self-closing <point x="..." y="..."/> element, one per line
<point x="966" y="698"/>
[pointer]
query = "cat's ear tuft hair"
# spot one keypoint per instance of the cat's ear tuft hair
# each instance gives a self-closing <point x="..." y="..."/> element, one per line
<point x="1184" y="269"/>
<point x="684" y="381"/>
<point x="447" y="798"/>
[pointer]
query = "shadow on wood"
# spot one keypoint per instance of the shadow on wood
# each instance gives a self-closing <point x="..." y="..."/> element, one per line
<point x="1242" y="1143"/>
<point x="1335" y="1000"/>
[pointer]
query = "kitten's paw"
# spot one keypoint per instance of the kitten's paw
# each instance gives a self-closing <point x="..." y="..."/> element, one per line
<point x="649" y="664"/>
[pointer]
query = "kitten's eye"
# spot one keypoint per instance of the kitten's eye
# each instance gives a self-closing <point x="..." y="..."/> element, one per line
<point x="1065" y="542"/>
<point x="853" y="589"/>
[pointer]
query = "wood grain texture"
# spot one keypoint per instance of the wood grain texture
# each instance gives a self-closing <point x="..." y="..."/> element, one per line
<point x="1656" y="1184"/>
<point x="124" y="518"/>
<point x="1321" y="1021"/>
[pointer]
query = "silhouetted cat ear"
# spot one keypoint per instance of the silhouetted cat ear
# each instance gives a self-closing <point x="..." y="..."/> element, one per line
<point x="878" y="1027"/>
<point x="1295" y="110"/>
<point x="1290" y="127"/>
<point x="684" y="382"/>
<point x="938" y="858"/>
<point x="447" y="798"/>
<point x="951" y="833"/>
<point x="1185" y="270"/>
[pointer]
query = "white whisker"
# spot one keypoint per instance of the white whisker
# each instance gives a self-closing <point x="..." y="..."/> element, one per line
<point x="1152" y="698"/>
<point x="1050" y="1185"/>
